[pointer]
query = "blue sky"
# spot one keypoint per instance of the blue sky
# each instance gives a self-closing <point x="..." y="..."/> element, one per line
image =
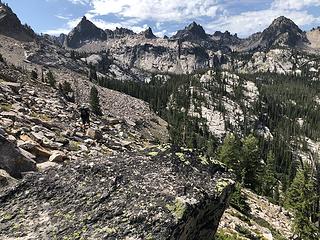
<point x="165" y="17"/>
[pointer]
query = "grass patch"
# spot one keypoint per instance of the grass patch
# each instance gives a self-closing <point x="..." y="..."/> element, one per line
<point x="178" y="208"/>
<point x="6" y="107"/>
<point x="182" y="158"/>
<point x="42" y="117"/>
<point x="153" y="154"/>
<point x="74" y="146"/>
<point x="224" y="235"/>
<point x="263" y="223"/>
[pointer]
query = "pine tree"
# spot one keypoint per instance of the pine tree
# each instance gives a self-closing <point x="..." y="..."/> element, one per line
<point x="95" y="101"/>
<point x="301" y="197"/>
<point x="51" y="80"/>
<point x="34" y="75"/>
<point x="229" y="153"/>
<point x="269" y="181"/>
<point x="250" y="162"/>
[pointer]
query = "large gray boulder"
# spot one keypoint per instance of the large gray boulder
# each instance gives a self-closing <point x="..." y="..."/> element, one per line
<point x="13" y="160"/>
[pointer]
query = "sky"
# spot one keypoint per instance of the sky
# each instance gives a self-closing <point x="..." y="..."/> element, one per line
<point x="165" y="17"/>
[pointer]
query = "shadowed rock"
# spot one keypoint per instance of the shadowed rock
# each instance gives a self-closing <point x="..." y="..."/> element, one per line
<point x="12" y="159"/>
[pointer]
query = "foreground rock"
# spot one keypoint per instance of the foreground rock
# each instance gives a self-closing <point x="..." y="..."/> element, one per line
<point x="13" y="160"/>
<point x="161" y="195"/>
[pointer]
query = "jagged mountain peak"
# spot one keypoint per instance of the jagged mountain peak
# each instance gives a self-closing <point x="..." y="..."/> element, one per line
<point x="85" y="23"/>
<point x="196" y="29"/>
<point x="85" y="31"/>
<point x="148" y="33"/>
<point x="283" y="24"/>
<point x="283" y="31"/>
<point x="282" y="20"/>
<point x="119" y="32"/>
<point x="191" y="32"/>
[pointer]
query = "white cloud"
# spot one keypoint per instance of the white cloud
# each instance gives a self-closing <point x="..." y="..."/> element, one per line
<point x="82" y="2"/>
<point x="56" y="31"/>
<point x="133" y="14"/>
<point x="294" y="4"/>
<point x="66" y="29"/>
<point x="63" y="17"/>
<point x="158" y="10"/>
<point x="250" y="22"/>
<point x="161" y="33"/>
<point x="105" y="25"/>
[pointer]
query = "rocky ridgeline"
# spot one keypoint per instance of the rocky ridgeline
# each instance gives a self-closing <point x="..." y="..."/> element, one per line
<point x="109" y="182"/>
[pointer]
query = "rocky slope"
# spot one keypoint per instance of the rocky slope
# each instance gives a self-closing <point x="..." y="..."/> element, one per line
<point x="173" y="193"/>
<point x="314" y="38"/>
<point x="264" y="220"/>
<point x="44" y="131"/>
<point x="115" y="180"/>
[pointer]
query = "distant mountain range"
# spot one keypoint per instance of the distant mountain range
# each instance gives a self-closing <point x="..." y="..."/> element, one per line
<point x="283" y="32"/>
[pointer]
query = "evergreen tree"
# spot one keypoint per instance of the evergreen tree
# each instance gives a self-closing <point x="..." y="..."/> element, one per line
<point x="250" y="162"/>
<point x="269" y="181"/>
<point x="67" y="91"/>
<point x="95" y="101"/>
<point x="229" y="153"/>
<point x="301" y="197"/>
<point x="50" y="79"/>
<point x="34" y="75"/>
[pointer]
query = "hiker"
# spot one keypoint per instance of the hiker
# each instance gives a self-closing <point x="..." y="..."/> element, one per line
<point x="85" y="116"/>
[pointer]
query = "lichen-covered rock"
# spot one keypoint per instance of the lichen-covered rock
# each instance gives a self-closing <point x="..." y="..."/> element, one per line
<point x="124" y="196"/>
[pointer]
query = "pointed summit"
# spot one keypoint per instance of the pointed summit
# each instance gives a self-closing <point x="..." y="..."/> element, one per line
<point x="84" y="18"/>
<point x="282" y="32"/>
<point x="192" y="32"/>
<point x="84" y="32"/>
<point x="148" y="33"/>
